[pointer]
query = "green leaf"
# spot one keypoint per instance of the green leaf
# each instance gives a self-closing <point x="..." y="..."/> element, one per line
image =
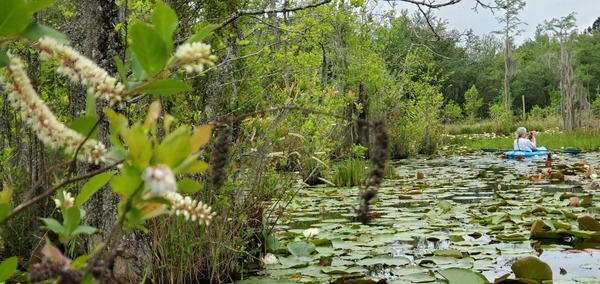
<point x="72" y="219"/>
<point x="129" y="180"/>
<point x="200" y="137"/>
<point x="84" y="230"/>
<point x="291" y="261"/>
<point x="121" y="70"/>
<point x="140" y="147"/>
<point x="149" y="48"/>
<point x="166" y="87"/>
<point x="274" y="245"/>
<point x="37" y="31"/>
<point x="54" y="226"/>
<point x="85" y="124"/>
<point x="14" y="17"/>
<point x="531" y="268"/>
<point x="188" y="186"/>
<point x="92" y="186"/>
<point x="4" y="60"/>
<point x="80" y="262"/>
<point x="165" y="21"/>
<point x="191" y="166"/>
<point x="38" y="5"/>
<point x="445" y="205"/>
<point x="462" y="275"/>
<point x="90" y="105"/>
<point x="174" y="149"/>
<point x="118" y="123"/>
<point x="301" y="248"/>
<point x="7" y="268"/>
<point x="138" y="71"/>
<point x="4" y="210"/>
<point x="202" y="33"/>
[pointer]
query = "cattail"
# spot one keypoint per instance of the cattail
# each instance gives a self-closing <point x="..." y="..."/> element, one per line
<point x="379" y="157"/>
<point x="48" y="269"/>
<point x="220" y="157"/>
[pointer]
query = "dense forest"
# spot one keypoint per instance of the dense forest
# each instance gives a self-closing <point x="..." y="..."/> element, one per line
<point x="109" y="101"/>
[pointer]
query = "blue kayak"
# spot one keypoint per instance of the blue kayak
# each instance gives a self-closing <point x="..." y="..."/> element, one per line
<point x="541" y="151"/>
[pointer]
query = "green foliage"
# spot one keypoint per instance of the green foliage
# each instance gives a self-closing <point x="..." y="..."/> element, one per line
<point x="149" y="48"/>
<point x="538" y="113"/>
<point x="150" y="158"/>
<point x="472" y="103"/>
<point x="498" y="112"/>
<point x="452" y="112"/>
<point x="7" y="268"/>
<point x="15" y="17"/>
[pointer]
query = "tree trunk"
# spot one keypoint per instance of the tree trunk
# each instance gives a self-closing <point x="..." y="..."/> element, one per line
<point x="567" y="89"/>
<point x="507" y="72"/>
<point x="100" y="42"/>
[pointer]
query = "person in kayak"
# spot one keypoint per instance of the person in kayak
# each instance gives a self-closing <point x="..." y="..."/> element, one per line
<point x="525" y="141"/>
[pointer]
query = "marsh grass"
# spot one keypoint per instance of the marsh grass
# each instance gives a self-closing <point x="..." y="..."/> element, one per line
<point x="349" y="172"/>
<point x="552" y="139"/>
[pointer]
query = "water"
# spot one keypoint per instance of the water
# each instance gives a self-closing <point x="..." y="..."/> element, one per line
<point x="490" y="204"/>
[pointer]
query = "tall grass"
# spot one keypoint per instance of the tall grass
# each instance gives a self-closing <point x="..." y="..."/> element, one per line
<point x="488" y="135"/>
<point x="349" y="172"/>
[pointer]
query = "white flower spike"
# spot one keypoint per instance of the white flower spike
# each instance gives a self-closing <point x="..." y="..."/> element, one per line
<point x="38" y="116"/>
<point x="81" y="69"/>
<point x="195" y="56"/>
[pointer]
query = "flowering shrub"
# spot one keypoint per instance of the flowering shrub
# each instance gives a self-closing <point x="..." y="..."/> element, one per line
<point x="142" y="168"/>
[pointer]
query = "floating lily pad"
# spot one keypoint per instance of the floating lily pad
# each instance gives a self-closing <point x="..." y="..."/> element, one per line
<point x="385" y="260"/>
<point x="301" y="248"/>
<point x="588" y="223"/>
<point x="461" y="275"/>
<point x="532" y="268"/>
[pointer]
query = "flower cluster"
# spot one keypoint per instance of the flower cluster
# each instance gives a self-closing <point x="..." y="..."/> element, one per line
<point x="269" y="258"/>
<point x="190" y="209"/>
<point x="194" y="56"/>
<point x="67" y="201"/>
<point x="81" y="69"/>
<point x="159" y="179"/>
<point x="38" y="116"/>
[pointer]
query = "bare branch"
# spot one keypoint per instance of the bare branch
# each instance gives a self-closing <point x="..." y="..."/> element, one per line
<point x="435" y="4"/>
<point x="428" y="20"/>
<point x="242" y="13"/>
<point x="430" y="3"/>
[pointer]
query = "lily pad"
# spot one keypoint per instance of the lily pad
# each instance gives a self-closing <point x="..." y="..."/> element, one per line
<point x="461" y="275"/>
<point x="588" y="223"/>
<point x="301" y="248"/>
<point x="385" y="260"/>
<point x="532" y="268"/>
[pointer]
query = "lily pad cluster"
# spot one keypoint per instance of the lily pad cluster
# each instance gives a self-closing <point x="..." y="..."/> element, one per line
<point x="444" y="221"/>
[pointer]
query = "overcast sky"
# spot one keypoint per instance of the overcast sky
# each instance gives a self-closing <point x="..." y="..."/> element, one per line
<point x="461" y="16"/>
